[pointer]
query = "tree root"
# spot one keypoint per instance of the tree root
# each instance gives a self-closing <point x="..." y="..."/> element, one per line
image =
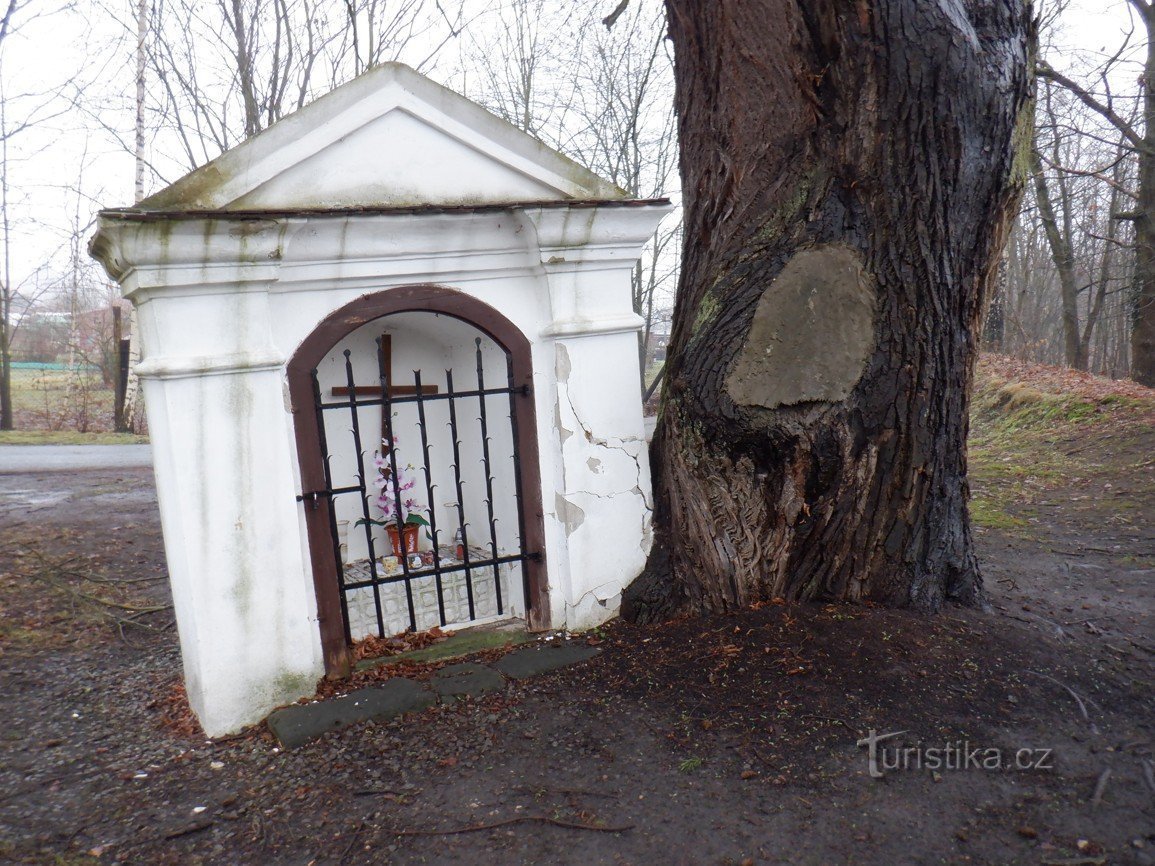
<point x="654" y="596"/>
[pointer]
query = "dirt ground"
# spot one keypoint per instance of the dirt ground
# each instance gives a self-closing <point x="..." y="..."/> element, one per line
<point x="731" y="739"/>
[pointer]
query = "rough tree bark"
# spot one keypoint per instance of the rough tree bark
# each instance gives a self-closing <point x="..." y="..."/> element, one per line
<point x="849" y="171"/>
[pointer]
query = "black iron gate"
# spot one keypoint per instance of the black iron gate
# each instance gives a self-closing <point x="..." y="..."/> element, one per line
<point x="475" y="554"/>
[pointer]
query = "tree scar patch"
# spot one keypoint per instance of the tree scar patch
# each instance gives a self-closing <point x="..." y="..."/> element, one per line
<point x="812" y="333"/>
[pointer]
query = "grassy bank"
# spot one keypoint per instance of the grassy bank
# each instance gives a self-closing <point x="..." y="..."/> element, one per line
<point x="68" y="437"/>
<point x="1035" y="428"/>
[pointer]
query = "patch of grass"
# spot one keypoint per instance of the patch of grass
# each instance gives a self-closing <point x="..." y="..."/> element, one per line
<point x="1125" y="402"/>
<point x="49" y="600"/>
<point x="59" y="399"/>
<point x="47" y="620"/>
<point x="1030" y="437"/>
<point x="1013" y="451"/>
<point x="1015" y="431"/>
<point x="652" y="372"/>
<point x="1015" y="407"/>
<point x="689" y="765"/>
<point x="68" y="437"/>
<point x="987" y="513"/>
<point x="13" y="635"/>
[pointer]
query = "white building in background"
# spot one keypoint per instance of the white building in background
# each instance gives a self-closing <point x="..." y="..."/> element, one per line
<point x="397" y="221"/>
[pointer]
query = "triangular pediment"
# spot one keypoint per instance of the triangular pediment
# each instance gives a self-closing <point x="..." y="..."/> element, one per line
<point x="389" y="138"/>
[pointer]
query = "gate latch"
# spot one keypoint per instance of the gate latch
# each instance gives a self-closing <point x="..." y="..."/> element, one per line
<point x="312" y="497"/>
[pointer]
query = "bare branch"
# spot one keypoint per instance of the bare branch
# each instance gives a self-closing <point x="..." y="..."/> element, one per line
<point x="6" y="22"/>
<point x="611" y="19"/>
<point x="1045" y="70"/>
<point x="1097" y="173"/>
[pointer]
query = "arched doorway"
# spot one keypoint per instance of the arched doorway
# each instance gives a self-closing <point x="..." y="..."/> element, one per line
<point x="414" y="419"/>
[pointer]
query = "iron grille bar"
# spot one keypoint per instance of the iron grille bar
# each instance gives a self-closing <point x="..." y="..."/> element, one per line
<point x="429" y="486"/>
<point x="426" y="398"/>
<point x="360" y="452"/>
<point x="387" y="438"/>
<point x="448" y="569"/>
<point x="371" y="575"/>
<point x="457" y="483"/>
<point x="517" y="491"/>
<point x="487" y="467"/>
<point x="328" y="491"/>
<point x="332" y="508"/>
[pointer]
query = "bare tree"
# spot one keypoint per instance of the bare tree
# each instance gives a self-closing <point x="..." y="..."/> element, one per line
<point x="1138" y="135"/>
<point x="1067" y="197"/>
<point x="599" y="90"/>
<point x="513" y="65"/>
<point x="20" y="113"/>
<point x="210" y="74"/>
<point x="626" y="131"/>
<point x="1067" y="293"/>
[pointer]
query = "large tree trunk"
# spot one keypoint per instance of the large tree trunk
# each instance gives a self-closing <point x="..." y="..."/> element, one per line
<point x="1143" y="323"/>
<point x="849" y="169"/>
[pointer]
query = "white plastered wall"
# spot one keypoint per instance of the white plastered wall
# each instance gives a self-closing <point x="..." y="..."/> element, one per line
<point x="225" y="301"/>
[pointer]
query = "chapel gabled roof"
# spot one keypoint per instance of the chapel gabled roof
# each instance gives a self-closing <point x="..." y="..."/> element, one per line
<point x="390" y="138"/>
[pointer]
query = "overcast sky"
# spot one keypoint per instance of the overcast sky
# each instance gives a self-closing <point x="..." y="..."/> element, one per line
<point x="81" y="49"/>
<point x="1089" y="31"/>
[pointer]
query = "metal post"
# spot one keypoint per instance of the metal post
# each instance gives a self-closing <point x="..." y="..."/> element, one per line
<point x="486" y="465"/>
<point x="430" y="486"/>
<point x="457" y="483"/>
<point x="387" y="439"/>
<point x="517" y="491"/>
<point x="364" y="493"/>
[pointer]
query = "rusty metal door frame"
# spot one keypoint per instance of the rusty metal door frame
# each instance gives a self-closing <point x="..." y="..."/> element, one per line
<point x="319" y="515"/>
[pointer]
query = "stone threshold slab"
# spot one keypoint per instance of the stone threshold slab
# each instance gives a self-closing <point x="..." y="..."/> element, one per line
<point x="459" y="645"/>
<point x="298" y="724"/>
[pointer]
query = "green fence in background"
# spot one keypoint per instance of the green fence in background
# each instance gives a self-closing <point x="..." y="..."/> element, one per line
<point x="42" y="365"/>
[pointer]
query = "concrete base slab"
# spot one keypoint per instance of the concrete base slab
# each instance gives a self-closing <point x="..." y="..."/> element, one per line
<point x="293" y="726"/>
<point x="459" y="680"/>
<point x="296" y="725"/>
<point x="531" y="661"/>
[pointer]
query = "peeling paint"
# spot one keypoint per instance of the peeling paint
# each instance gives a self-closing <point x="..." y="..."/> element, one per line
<point x="562" y="364"/>
<point x="563" y="432"/>
<point x="571" y="515"/>
<point x="595" y="465"/>
<point x="621" y="442"/>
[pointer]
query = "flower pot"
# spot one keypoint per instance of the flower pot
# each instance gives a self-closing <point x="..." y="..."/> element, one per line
<point x="408" y="534"/>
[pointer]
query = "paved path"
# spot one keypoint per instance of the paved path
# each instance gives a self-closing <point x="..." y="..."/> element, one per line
<point x="56" y="458"/>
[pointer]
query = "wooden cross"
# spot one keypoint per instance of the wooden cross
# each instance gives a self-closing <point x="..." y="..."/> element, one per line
<point x="387" y="372"/>
<point x="373" y="391"/>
